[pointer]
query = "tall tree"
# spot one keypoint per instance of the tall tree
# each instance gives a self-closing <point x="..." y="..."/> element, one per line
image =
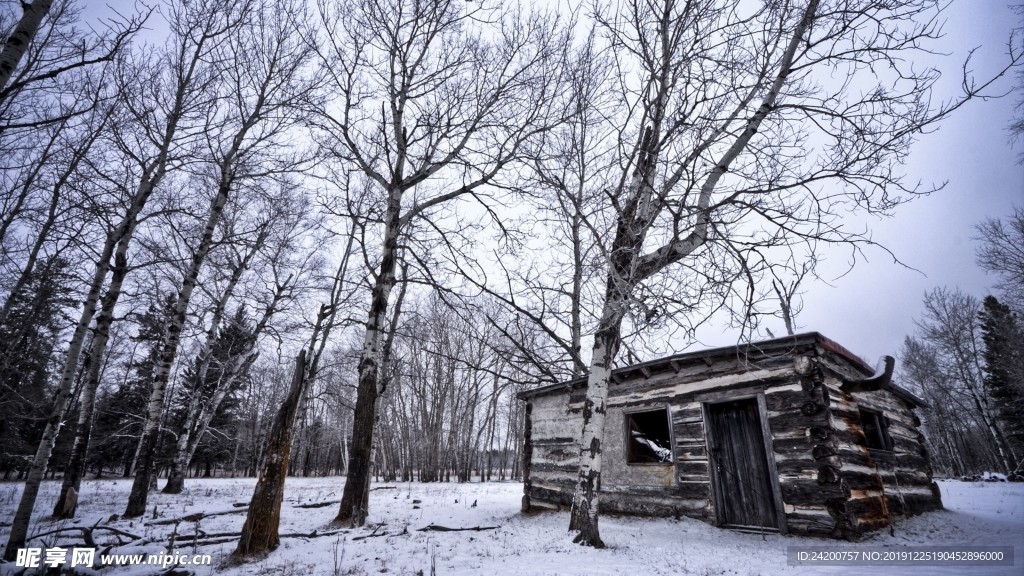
<point x="732" y="141"/>
<point x="950" y="325"/>
<point x="28" y="88"/>
<point x="1004" y="368"/>
<point x="436" y="100"/>
<point x="258" y="96"/>
<point x="1001" y="252"/>
<point x="260" y="531"/>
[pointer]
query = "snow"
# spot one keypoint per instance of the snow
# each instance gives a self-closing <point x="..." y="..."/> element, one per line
<point x="978" y="513"/>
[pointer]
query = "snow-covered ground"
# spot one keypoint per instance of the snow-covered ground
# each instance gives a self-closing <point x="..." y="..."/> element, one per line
<point x="979" y="513"/>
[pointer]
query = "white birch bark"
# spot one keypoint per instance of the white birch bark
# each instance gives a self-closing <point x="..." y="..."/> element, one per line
<point x="121" y="238"/>
<point x="18" y="42"/>
<point x="182" y="455"/>
<point x="172" y="335"/>
<point x="269" y="85"/>
<point x="201" y="413"/>
<point x="627" y="268"/>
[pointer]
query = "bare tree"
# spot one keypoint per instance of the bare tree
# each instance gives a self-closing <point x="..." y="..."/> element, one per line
<point x="24" y="85"/>
<point x="43" y="47"/>
<point x="152" y="152"/>
<point x="788" y="291"/>
<point x="959" y="442"/>
<point x="1002" y="253"/>
<point x="563" y="187"/>
<point x="282" y="225"/>
<point x="947" y="361"/>
<point x="260" y="65"/>
<point x="435" y="101"/>
<point x="260" y="531"/>
<point x="733" y="140"/>
<point x="17" y="43"/>
<point x="52" y="115"/>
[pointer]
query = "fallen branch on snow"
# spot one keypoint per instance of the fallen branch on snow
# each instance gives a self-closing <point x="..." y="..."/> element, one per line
<point x="196" y="517"/>
<point x="317" y="504"/>
<point x="209" y="539"/>
<point x="87" y="533"/>
<point x="438" y="528"/>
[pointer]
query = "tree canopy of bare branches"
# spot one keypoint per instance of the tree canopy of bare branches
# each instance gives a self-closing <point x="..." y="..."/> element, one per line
<point x="436" y="100"/>
<point x="744" y="130"/>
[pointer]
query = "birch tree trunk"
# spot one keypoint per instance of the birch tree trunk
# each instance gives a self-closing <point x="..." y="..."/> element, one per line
<point x="120" y="237"/>
<point x="262" y="61"/>
<point x="586" y="501"/>
<point x="637" y="209"/>
<point x="356" y="494"/>
<point x="176" y="474"/>
<point x="198" y="421"/>
<point x="172" y="337"/>
<point x="443" y="94"/>
<point x="101" y="335"/>
<point x="200" y="414"/>
<point x="18" y="42"/>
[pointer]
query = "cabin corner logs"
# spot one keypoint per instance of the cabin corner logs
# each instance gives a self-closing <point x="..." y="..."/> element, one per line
<point x="794" y="434"/>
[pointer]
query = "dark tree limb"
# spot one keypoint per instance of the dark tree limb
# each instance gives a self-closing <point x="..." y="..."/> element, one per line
<point x="438" y="528"/>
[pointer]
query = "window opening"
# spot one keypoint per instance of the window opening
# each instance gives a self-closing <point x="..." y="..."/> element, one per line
<point x="876" y="429"/>
<point x="649" y="441"/>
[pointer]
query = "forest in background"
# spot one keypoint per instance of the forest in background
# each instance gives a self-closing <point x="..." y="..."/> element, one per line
<point x="191" y="195"/>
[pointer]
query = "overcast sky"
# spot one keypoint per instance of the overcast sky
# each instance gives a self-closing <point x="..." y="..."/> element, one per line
<point x="872" y="308"/>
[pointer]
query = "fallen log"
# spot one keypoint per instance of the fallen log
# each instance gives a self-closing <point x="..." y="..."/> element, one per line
<point x="117" y="531"/>
<point x="318" y="504"/>
<point x="196" y="517"/>
<point x="373" y="534"/>
<point x="209" y="539"/>
<point x="438" y="528"/>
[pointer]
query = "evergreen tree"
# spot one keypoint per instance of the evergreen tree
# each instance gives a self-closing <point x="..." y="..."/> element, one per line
<point x="28" y="338"/>
<point x="118" y="423"/>
<point x="233" y="342"/>
<point x="1003" y="358"/>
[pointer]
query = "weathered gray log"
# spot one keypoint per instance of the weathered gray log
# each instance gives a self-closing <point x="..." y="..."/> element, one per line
<point x="317" y="504"/>
<point x="438" y="528"/>
<point x="195" y="517"/>
<point x="807" y="491"/>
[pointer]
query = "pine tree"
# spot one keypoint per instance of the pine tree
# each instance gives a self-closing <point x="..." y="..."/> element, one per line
<point x="27" y="342"/>
<point x="118" y="426"/>
<point x="1004" y="368"/>
<point x="203" y="391"/>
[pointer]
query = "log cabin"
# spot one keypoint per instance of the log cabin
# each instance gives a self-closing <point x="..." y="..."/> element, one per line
<point x="794" y="435"/>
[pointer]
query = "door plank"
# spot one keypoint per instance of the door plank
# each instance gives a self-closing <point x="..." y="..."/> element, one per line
<point x="741" y="468"/>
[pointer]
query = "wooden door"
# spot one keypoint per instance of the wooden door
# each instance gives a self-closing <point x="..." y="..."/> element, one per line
<point x="743" y="486"/>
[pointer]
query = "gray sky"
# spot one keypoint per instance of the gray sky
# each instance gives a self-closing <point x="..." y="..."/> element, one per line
<point x="872" y="308"/>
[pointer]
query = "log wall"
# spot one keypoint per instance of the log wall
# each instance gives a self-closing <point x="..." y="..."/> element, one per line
<point x="884" y="485"/>
<point x="829" y="482"/>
